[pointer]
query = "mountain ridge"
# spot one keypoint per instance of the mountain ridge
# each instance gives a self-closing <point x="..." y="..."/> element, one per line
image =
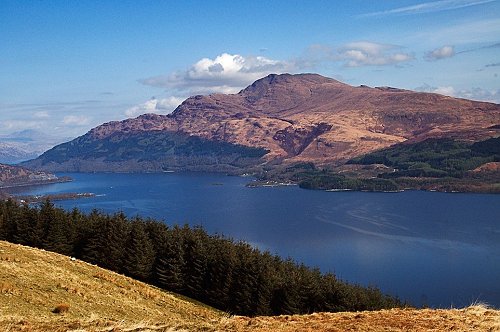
<point x="303" y="118"/>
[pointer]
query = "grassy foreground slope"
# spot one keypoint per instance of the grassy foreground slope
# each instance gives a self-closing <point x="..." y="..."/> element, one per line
<point x="33" y="282"/>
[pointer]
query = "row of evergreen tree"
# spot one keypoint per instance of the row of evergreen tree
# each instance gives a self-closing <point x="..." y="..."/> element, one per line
<point x="226" y="274"/>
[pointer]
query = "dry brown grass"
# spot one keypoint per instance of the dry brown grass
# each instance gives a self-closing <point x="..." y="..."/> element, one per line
<point x="34" y="282"/>
<point x="474" y="318"/>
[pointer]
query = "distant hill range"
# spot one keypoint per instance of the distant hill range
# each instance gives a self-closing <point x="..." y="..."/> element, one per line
<point x="14" y="176"/>
<point x="278" y="120"/>
<point x="25" y="145"/>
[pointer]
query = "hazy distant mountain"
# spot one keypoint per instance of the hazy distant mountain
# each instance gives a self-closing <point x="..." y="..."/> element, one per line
<point x="278" y="119"/>
<point x="24" y="145"/>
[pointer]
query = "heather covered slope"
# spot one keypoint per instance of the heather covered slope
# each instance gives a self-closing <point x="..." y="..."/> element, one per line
<point x="33" y="282"/>
<point x="287" y="118"/>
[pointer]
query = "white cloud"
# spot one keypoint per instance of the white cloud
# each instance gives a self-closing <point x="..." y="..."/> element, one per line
<point x="76" y="120"/>
<point x="445" y="90"/>
<point x="14" y="125"/>
<point x="442" y="90"/>
<point x="480" y="94"/>
<point x="41" y="115"/>
<point x="366" y="53"/>
<point x="428" y="7"/>
<point x="440" y="53"/>
<point x="469" y="31"/>
<point x="162" y="106"/>
<point x="227" y="73"/>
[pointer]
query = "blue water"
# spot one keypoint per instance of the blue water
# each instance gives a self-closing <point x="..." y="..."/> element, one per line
<point x="434" y="249"/>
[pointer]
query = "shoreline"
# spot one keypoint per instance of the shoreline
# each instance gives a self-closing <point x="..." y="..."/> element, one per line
<point x="37" y="183"/>
<point x="30" y="199"/>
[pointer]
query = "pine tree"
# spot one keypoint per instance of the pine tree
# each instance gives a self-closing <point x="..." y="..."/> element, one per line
<point x="26" y="220"/>
<point x="170" y="267"/>
<point x="261" y="296"/>
<point x="221" y="259"/>
<point x="104" y="242"/>
<point x="9" y="226"/>
<point x="284" y="299"/>
<point x="92" y="237"/>
<point x="311" y="299"/>
<point x="81" y="231"/>
<point x="139" y="253"/>
<point x="54" y="230"/>
<point x="195" y="263"/>
<point x="244" y="281"/>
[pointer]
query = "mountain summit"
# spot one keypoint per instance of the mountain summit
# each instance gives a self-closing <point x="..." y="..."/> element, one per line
<point x="278" y="119"/>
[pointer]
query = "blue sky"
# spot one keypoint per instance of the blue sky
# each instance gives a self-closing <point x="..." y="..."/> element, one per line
<point x="67" y="66"/>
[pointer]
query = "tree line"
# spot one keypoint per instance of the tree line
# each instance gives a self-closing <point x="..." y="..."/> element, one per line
<point x="434" y="157"/>
<point x="226" y="274"/>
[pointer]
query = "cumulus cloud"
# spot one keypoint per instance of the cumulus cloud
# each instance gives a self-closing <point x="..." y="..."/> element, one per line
<point x="226" y="73"/>
<point x="229" y="73"/>
<point x="366" y="53"/>
<point x="480" y="94"/>
<point x="445" y="90"/>
<point x="440" y="53"/>
<point x="427" y="7"/>
<point x="161" y="106"/>
<point x="76" y="120"/>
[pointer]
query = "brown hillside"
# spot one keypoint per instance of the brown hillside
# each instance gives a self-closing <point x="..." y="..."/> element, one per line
<point x="16" y="175"/>
<point x="308" y="117"/>
<point x="33" y="283"/>
<point x="288" y="118"/>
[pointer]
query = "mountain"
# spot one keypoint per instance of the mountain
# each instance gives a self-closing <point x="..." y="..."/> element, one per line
<point x="12" y="153"/>
<point x="25" y="145"/>
<point x="33" y="283"/>
<point x="12" y="176"/>
<point x="279" y="119"/>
